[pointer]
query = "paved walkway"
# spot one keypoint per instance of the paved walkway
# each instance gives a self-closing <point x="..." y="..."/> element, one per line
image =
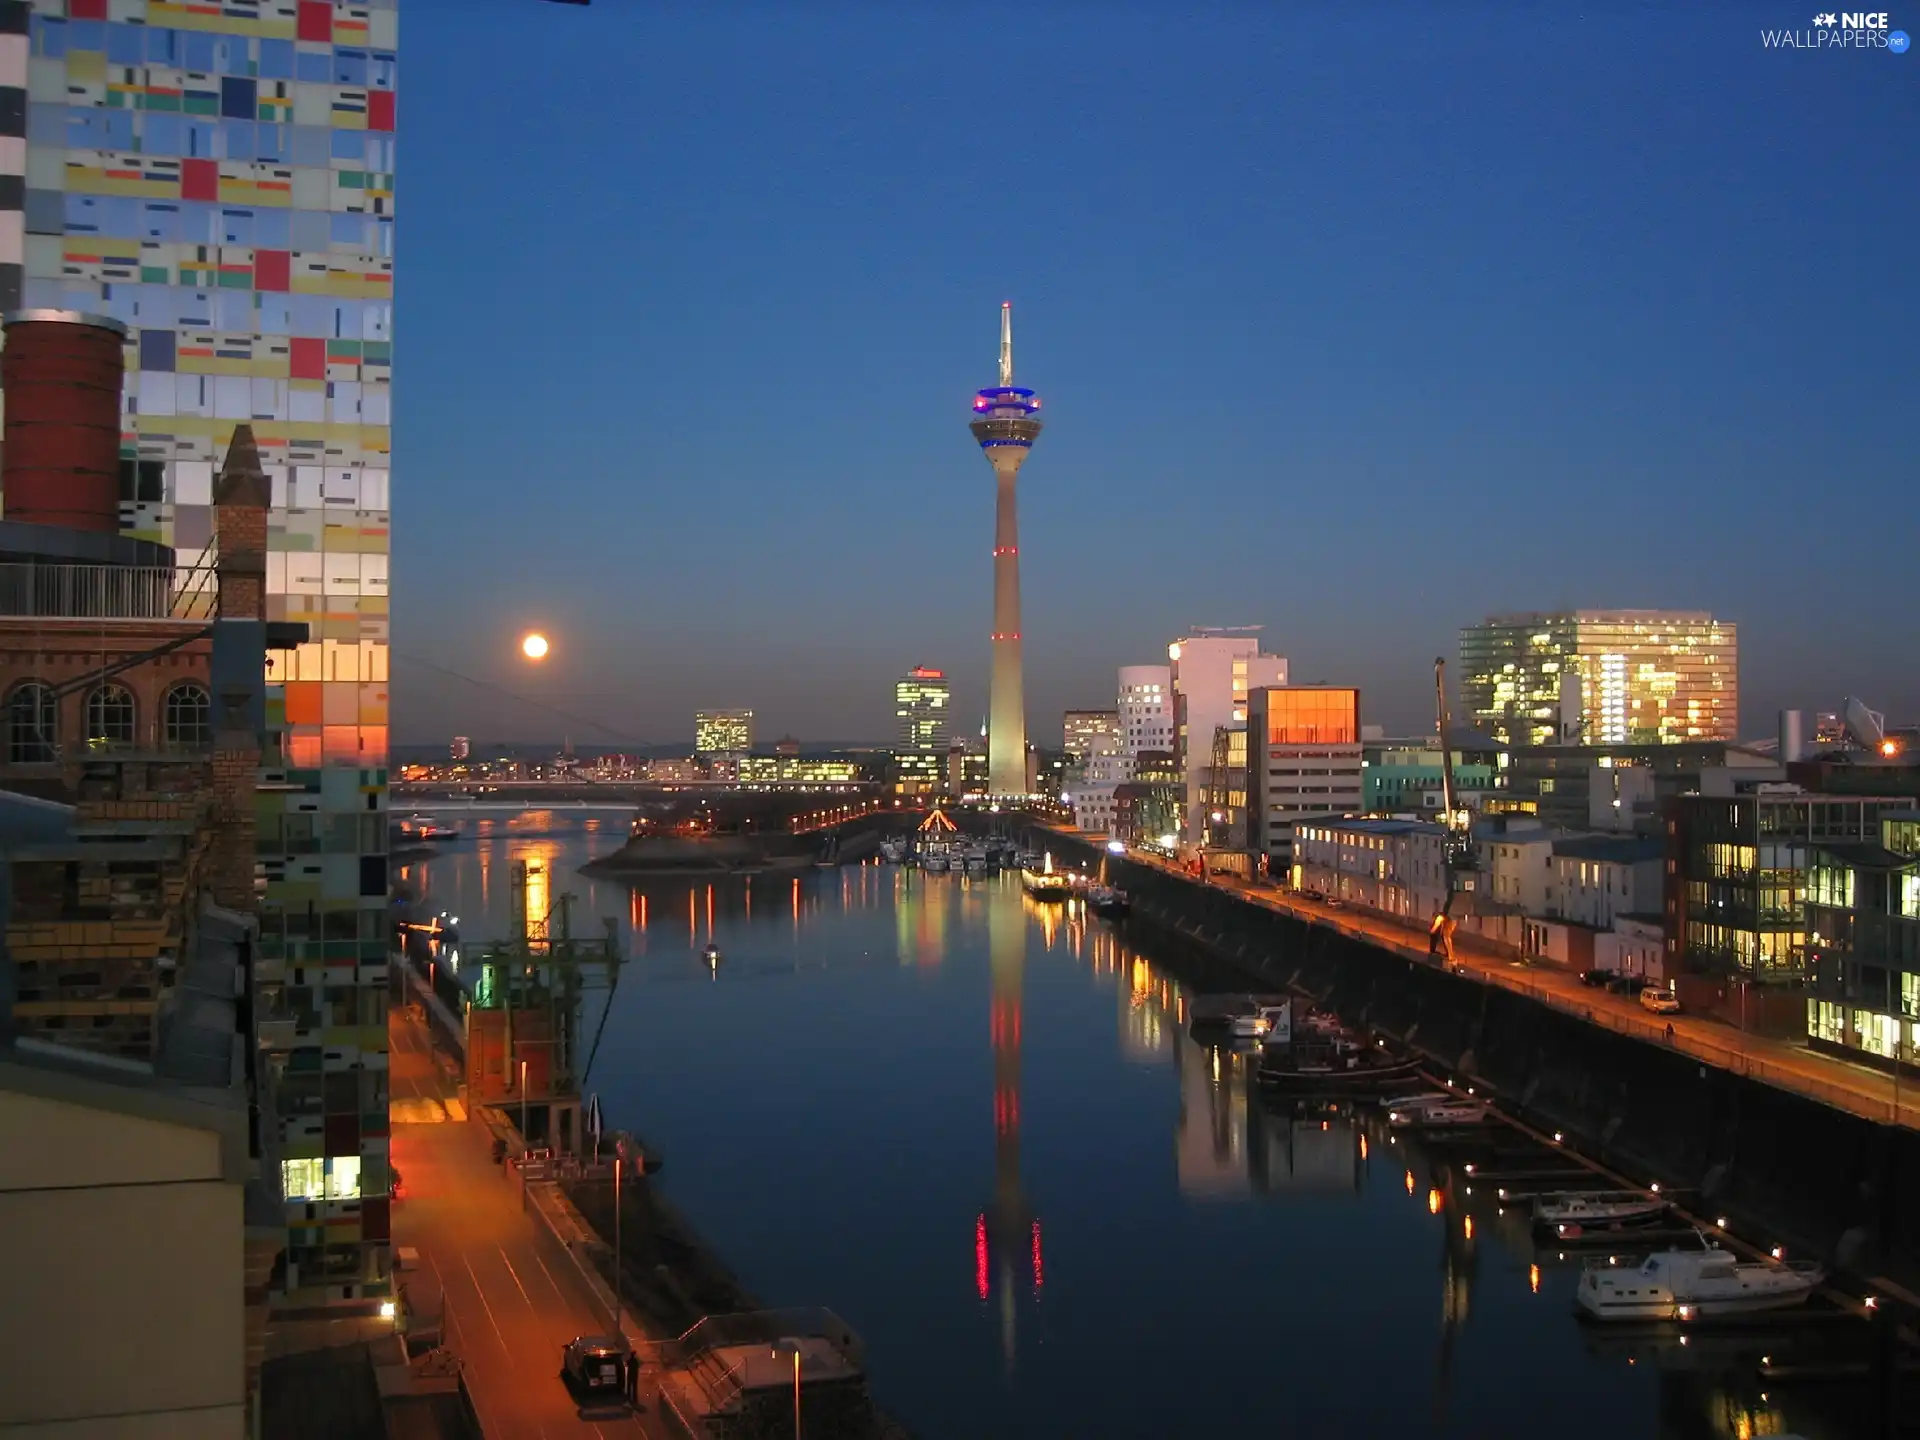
<point x="513" y="1297"/>
<point x="1862" y="1091"/>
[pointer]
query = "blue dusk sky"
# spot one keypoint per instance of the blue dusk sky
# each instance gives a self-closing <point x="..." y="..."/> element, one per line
<point x="1357" y="323"/>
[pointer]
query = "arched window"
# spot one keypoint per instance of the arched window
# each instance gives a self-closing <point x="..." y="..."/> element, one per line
<point x="33" y="724"/>
<point x="109" y="717"/>
<point x="189" y="717"/>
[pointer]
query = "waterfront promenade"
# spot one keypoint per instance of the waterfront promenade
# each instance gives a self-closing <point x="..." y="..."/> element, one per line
<point x="512" y="1296"/>
<point x="1861" y="1091"/>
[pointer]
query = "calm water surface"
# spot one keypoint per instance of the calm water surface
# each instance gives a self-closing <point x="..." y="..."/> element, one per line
<point x="977" y="1129"/>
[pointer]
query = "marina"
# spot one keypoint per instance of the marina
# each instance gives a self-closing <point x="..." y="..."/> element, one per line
<point x="1142" y="1124"/>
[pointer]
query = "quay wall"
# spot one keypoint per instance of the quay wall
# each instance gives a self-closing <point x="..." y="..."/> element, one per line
<point x="1781" y="1167"/>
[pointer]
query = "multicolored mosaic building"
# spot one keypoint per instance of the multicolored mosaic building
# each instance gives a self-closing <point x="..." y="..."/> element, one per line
<point x="218" y="175"/>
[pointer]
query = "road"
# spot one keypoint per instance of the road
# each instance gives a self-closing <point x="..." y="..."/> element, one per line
<point x="513" y="1297"/>
<point x="1868" y="1093"/>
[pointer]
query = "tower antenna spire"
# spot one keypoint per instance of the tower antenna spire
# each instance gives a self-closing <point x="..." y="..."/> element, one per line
<point x="1006" y="344"/>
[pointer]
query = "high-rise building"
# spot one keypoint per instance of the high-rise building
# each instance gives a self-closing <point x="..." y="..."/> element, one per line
<point x="1303" y="763"/>
<point x="921" y="707"/>
<point x="1211" y="673"/>
<point x="219" y="179"/>
<point x="1004" y="425"/>
<point x="461" y="748"/>
<point x="1146" y="708"/>
<point x="1601" y="677"/>
<point x="722" y="734"/>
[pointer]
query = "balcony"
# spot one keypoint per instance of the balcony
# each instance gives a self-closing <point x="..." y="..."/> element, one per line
<point x="58" y="591"/>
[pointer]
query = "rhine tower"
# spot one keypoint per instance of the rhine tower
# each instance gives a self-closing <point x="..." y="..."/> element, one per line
<point x="1004" y="425"/>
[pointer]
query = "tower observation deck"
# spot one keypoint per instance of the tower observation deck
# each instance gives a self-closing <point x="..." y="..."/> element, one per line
<point x="1005" y="427"/>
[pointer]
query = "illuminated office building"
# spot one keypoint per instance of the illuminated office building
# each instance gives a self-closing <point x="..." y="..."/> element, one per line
<point x="1086" y="733"/>
<point x="921" y="707"/>
<point x="1601" y="677"/>
<point x="219" y="179"/>
<point x="1146" y="708"/>
<point x="1303" y="763"/>
<point x="722" y="733"/>
<point x="755" y="770"/>
<point x="1212" y="672"/>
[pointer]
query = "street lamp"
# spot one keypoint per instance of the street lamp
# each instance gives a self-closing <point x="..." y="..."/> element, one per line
<point x="524" y="1140"/>
<point x="619" y="1163"/>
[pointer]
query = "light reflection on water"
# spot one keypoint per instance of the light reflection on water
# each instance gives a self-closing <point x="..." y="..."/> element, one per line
<point x="978" y="1128"/>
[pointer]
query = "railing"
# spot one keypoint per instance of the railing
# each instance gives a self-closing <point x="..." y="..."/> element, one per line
<point x="107" y="592"/>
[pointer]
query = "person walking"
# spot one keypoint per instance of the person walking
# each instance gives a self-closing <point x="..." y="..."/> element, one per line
<point x="633" y="1378"/>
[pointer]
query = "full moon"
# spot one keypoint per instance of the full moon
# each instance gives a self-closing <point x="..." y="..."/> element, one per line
<point x="534" y="647"/>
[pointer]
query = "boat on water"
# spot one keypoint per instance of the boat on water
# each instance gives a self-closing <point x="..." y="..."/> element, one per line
<point x="934" y="861"/>
<point x="894" y="852"/>
<point x="1028" y="859"/>
<point x="1108" y="900"/>
<point x="1266" y="1021"/>
<point x="1454" y="1115"/>
<point x="1419" y="1102"/>
<point x="420" y="827"/>
<point x="712" y="956"/>
<point x="1694" y="1285"/>
<point x="1045" y="882"/>
<point x="1571" y="1214"/>
<point x="1352" y="1074"/>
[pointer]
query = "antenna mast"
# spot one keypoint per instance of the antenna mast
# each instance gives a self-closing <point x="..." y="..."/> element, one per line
<point x="1006" y="344"/>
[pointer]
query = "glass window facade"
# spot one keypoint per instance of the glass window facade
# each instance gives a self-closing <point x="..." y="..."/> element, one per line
<point x="1627" y="677"/>
<point x="220" y="179"/>
<point x="922" y="710"/>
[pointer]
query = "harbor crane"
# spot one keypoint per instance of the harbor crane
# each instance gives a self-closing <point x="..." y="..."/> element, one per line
<point x="1456" y="844"/>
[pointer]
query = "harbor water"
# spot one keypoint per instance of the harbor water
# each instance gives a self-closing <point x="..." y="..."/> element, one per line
<point x="978" y="1129"/>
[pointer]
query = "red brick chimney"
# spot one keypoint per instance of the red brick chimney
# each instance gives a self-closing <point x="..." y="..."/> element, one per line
<point x="241" y="496"/>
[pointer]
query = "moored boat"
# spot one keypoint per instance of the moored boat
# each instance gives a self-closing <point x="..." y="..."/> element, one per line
<point x="1694" y="1285"/>
<point x="1452" y="1115"/>
<point x="1046" y="883"/>
<point x="1571" y="1214"/>
<point x="1108" y="900"/>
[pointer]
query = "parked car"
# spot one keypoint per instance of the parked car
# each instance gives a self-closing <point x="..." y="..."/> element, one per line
<point x="1596" y="978"/>
<point x="1660" y="1002"/>
<point x="593" y="1365"/>
<point x="1626" y="984"/>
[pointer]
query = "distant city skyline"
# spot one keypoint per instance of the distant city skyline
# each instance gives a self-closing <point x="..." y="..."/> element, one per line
<point x="1371" y="380"/>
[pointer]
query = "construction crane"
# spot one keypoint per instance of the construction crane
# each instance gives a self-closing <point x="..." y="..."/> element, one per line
<point x="1456" y="844"/>
<point x="1219" y="787"/>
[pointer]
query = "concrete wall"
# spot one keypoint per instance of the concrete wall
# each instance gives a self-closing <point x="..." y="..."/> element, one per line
<point x="122" y="1268"/>
<point x="1819" y="1180"/>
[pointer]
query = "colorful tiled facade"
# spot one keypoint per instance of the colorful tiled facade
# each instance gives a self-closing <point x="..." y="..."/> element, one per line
<point x="218" y="176"/>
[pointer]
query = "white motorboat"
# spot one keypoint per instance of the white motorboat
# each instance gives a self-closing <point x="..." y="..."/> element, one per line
<point x="1260" y="1024"/>
<point x="1417" y="1104"/>
<point x="1452" y="1114"/>
<point x="934" y="862"/>
<point x="1694" y="1285"/>
<point x="893" y="851"/>
<point x="1574" y="1213"/>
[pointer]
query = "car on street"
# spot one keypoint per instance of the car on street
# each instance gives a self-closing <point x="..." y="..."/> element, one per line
<point x="595" y="1365"/>
<point x="1660" y="1002"/>
<point x="1596" y="978"/>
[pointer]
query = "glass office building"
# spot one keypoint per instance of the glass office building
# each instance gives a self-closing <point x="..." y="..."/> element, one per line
<point x="219" y="177"/>
<point x="921" y="700"/>
<point x="1601" y="677"/>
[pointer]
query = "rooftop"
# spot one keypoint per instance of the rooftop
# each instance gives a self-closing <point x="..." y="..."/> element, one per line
<point x="1610" y="849"/>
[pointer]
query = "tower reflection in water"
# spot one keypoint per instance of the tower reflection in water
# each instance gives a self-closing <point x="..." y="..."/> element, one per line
<point x="1006" y="1236"/>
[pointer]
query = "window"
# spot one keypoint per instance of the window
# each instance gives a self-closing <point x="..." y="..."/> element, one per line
<point x="32" y="724"/>
<point x="189" y="717"/>
<point x="110" y="716"/>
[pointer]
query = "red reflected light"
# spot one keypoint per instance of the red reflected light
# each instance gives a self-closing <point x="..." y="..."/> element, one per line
<point x="1039" y="1270"/>
<point x="980" y="1256"/>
